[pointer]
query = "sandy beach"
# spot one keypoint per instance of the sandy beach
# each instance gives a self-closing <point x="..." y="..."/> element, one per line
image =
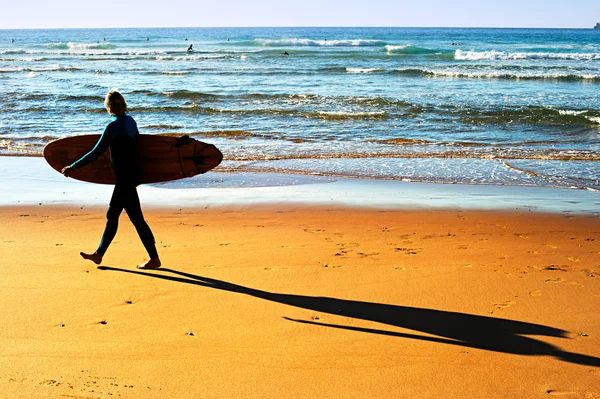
<point x="301" y="301"/>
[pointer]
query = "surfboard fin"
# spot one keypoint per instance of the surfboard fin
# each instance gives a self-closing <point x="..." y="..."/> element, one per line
<point x="183" y="140"/>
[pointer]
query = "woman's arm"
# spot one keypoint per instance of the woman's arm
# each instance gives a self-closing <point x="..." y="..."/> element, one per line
<point x="98" y="149"/>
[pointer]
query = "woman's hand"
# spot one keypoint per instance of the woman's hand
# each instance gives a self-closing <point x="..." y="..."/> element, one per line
<point x="66" y="171"/>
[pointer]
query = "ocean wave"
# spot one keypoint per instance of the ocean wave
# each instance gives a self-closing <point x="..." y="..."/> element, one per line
<point x="409" y="50"/>
<point x="364" y="70"/>
<point x="170" y="73"/>
<point x="192" y="57"/>
<point x="162" y="127"/>
<point x="319" y="43"/>
<point x="15" y="52"/>
<point x="401" y="141"/>
<point x="54" y="68"/>
<point x="334" y="70"/>
<point x="235" y="135"/>
<point x="530" y="115"/>
<point x="594" y="119"/>
<point x="81" y="46"/>
<point x="570" y="112"/>
<point x="347" y="115"/>
<point x="325" y="115"/>
<point x="27" y="59"/>
<point x="472" y="55"/>
<point x="496" y="154"/>
<point x="289" y="99"/>
<point x="144" y="54"/>
<point x="186" y="94"/>
<point x="499" y="75"/>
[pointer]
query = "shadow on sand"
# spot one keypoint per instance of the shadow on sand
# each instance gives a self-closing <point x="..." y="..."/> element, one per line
<point x="470" y="331"/>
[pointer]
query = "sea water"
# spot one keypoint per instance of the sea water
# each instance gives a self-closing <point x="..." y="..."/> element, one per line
<point x="477" y="106"/>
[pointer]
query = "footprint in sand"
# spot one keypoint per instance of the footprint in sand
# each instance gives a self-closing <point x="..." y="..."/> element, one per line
<point x="560" y="268"/>
<point x="407" y="251"/>
<point x="553" y="392"/>
<point x="364" y="255"/>
<point x="524" y="236"/>
<point x="504" y="305"/>
<point x="404" y="269"/>
<point x="561" y="280"/>
<point x="535" y="293"/>
<point x="551" y="246"/>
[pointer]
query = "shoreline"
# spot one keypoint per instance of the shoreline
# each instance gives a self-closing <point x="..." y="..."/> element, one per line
<point x="30" y="181"/>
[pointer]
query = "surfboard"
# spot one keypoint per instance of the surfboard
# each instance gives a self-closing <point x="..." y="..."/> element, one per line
<point x="162" y="158"/>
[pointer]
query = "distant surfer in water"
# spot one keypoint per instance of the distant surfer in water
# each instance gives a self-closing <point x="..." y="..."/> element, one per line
<point x="190" y="49"/>
<point x="121" y="137"/>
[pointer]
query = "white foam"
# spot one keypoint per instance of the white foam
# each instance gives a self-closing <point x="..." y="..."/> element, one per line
<point x="473" y="55"/>
<point x="364" y="70"/>
<point x="505" y="75"/>
<point x="16" y="51"/>
<point x="311" y="42"/>
<point x="82" y="46"/>
<point x="570" y="112"/>
<point x="594" y="119"/>
<point x="391" y="48"/>
<point x="190" y="57"/>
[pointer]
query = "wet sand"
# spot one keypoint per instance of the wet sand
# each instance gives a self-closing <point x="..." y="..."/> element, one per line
<point x="287" y="300"/>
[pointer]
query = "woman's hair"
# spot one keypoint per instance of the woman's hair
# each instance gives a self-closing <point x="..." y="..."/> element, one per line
<point x="115" y="103"/>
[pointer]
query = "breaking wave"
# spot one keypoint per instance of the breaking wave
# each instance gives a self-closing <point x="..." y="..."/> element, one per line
<point x="472" y="55"/>
<point x="409" y="50"/>
<point x="81" y="46"/>
<point x="499" y="75"/>
<point x="320" y="43"/>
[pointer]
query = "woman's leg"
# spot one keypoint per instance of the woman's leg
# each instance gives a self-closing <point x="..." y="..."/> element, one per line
<point x="134" y="211"/>
<point x="115" y="208"/>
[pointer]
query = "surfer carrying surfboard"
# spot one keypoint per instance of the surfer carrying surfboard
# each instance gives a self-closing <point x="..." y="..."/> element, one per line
<point x="121" y="136"/>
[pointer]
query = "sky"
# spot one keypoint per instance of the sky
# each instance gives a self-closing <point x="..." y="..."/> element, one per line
<point x="17" y="14"/>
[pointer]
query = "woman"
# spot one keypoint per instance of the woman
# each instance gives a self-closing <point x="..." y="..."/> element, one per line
<point x="121" y="137"/>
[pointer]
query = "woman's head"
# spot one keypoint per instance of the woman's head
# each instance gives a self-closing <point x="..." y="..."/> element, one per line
<point x="115" y="103"/>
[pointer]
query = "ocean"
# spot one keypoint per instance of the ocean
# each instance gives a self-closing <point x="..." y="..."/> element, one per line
<point x="518" y="107"/>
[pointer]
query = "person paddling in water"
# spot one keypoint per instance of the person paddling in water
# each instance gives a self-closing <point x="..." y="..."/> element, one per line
<point x="121" y="136"/>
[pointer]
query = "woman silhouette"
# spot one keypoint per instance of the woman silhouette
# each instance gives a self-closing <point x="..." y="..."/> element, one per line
<point x="121" y="136"/>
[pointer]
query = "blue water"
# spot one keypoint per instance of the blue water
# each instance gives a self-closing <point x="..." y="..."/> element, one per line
<point x="480" y="106"/>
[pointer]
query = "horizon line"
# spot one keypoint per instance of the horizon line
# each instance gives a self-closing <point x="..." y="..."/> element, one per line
<point x="296" y="26"/>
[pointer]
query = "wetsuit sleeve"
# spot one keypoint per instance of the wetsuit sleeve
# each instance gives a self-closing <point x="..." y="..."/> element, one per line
<point x="98" y="149"/>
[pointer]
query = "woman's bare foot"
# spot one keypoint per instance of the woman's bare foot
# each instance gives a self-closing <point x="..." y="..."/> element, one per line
<point x="151" y="264"/>
<point x="95" y="257"/>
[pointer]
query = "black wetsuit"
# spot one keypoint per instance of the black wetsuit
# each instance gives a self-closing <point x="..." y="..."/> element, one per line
<point x="121" y="136"/>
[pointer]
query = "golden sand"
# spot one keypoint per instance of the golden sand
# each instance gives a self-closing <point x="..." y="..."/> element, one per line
<point x="301" y="303"/>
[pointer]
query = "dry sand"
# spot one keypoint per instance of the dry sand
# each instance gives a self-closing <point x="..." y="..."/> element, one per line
<point x="300" y="302"/>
